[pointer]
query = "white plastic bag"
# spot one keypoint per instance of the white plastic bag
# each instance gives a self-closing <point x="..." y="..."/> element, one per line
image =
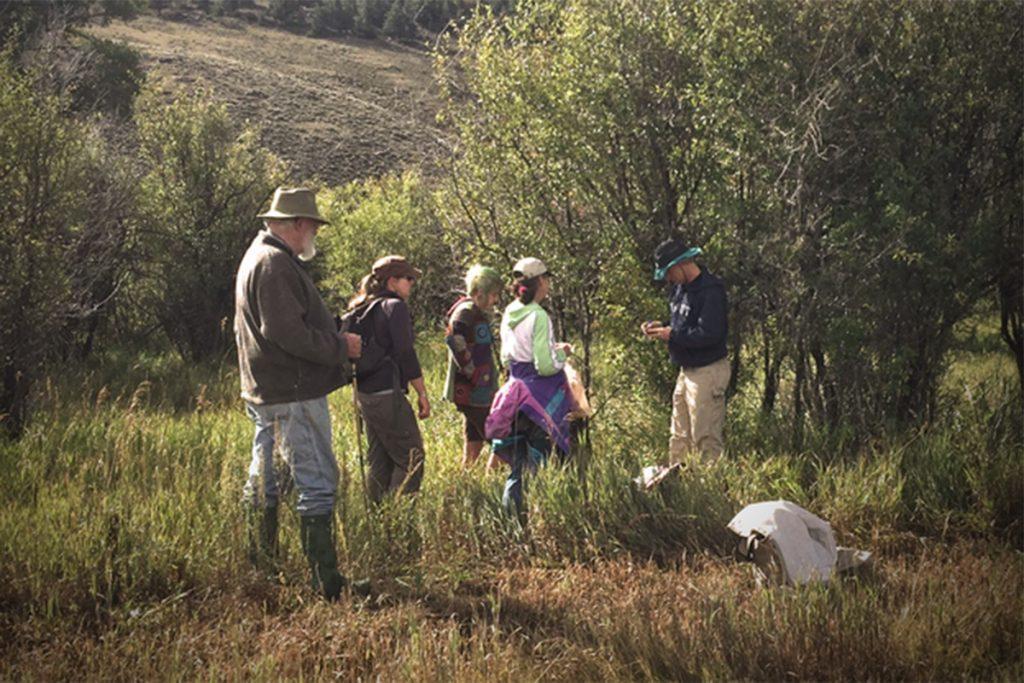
<point x="789" y="544"/>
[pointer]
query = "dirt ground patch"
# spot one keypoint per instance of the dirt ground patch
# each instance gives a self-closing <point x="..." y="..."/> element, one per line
<point x="337" y="110"/>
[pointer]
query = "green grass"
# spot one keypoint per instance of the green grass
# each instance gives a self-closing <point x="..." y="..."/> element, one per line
<point x="122" y="549"/>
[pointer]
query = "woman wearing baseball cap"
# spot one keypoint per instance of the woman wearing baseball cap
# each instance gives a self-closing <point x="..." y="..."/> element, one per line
<point x="530" y="413"/>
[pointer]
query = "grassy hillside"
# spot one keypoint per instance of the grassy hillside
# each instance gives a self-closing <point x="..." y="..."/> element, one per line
<point x="336" y="109"/>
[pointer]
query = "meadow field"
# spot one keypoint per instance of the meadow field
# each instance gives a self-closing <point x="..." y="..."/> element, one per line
<point x="852" y="170"/>
<point x="123" y="548"/>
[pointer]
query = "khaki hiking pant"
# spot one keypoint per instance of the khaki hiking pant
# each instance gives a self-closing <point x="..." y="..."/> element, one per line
<point x="396" y="445"/>
<point x="698" y="411"/>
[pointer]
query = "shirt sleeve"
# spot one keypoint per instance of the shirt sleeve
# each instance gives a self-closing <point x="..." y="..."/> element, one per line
<point x="709" y="328"/>
<point x="545" y="358"/>
<point x="282" y="308"/>
<point x="461" y="328"/>
<point x="505" y="354"/>
<point x="402" y="349"/>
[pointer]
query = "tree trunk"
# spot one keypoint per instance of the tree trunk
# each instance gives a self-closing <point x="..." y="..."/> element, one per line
<point x="14" y="401"/>
<point x="1011" y="312"/>
<point x="771" y="372"/>
<point x="798" y="392"/>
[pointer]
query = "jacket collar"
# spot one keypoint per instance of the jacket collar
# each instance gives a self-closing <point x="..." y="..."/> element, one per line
<point x="696" y="283"/>
<point x="270" y="239"/>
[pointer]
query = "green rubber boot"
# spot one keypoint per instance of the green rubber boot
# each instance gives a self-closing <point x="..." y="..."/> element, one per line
<point x="262" y="527"/>
<point x="318" y="545"/>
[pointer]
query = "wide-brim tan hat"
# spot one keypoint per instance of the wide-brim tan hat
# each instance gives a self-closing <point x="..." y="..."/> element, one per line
<point x="296" y="202"/>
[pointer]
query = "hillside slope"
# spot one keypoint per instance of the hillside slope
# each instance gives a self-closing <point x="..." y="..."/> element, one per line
<point x="336" y="109"/>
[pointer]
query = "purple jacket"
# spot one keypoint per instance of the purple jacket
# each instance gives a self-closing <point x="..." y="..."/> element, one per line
<point x="546" y="400"/>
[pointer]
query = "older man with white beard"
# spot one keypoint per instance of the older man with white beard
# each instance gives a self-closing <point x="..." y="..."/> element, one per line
<point x="290" y="357"/>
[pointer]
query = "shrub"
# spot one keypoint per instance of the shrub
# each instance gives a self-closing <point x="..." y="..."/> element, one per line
<point x="225" y="7"/>
<point x="110" y="79"/>
<point x="393" y="215"/>
<point x="205" y="183"/>
<point x="43" y="179"/>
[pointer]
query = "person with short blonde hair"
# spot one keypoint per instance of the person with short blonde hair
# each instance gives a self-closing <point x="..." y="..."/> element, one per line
<point x="472" y="375"/>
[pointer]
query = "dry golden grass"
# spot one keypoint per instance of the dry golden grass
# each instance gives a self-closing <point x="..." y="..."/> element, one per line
<point x="947" y="613"/>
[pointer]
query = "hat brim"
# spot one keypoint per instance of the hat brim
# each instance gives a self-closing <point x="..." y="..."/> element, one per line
<point x="519" y="273"/>
<point x="386" y="274"/>
<point x="289" y="216"/>
<point x="660" y="273"/>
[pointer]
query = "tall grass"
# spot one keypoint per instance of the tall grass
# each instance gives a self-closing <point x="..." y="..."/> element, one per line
<point x="122" y="550"/>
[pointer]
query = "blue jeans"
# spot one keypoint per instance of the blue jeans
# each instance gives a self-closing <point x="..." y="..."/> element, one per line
<point x="530" y="448"/>
<point x="301" y="433"/>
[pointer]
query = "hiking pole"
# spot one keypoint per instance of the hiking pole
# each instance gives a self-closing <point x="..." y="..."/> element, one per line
<point x="359" y="436"/>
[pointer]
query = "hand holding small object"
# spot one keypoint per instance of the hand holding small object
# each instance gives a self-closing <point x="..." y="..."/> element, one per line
<point x="655" y="330"/>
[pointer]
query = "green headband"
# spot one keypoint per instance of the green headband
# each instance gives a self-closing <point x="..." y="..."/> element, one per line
<point x="660" y="273"/>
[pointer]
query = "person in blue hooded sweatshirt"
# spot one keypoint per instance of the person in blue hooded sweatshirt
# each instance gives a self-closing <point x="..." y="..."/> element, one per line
<point x="695" y="336"/>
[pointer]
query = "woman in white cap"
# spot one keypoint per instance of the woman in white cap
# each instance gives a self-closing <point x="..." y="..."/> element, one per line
<point x="530" y="413"/>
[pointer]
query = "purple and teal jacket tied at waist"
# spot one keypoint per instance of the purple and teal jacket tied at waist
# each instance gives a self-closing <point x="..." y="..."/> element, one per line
<point x="545" y="400"/>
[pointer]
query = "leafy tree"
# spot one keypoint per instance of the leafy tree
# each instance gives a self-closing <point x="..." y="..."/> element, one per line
<point x="370" y="16"/>
<point x="586" y="133"/>
<point x="21" y="23"/>
<point x="850" y="167"/>
<point x="373" y="218"/>
<point x="887" y="142"/>
<point x="399" y="23"/>
<point x="48" y="179"/>
<point x="287" y="12"/>
<point x="205" y="182"/>
<point x="333" y="17"/>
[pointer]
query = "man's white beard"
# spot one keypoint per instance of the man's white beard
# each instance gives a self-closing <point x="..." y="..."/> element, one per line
<point x="309" y="250"/>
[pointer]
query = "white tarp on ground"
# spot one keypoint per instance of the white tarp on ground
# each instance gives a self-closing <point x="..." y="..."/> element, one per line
<point x="802" y="543"/>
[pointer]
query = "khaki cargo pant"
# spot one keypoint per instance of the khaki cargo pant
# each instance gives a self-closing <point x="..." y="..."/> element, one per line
<point x="698" y="411"/>
<point x="396" y="445"/>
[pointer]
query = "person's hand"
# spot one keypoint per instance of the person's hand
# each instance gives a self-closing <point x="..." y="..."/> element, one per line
<point x="661" y="333"/>
<point x="353" y="344"/>
<point x="424" y="404"/>
<point x="564" y="347"/>
<point x="648" y="326"/>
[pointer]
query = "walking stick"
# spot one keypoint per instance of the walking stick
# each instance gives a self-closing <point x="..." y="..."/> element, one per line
<point x="359" y="436"/>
